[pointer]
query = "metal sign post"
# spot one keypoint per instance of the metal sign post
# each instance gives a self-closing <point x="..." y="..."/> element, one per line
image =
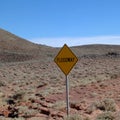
<point x="65" y="60"/>
<point x="67" y="95"/>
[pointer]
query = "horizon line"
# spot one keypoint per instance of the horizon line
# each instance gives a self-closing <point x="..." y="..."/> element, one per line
<point x="76" y="41"/>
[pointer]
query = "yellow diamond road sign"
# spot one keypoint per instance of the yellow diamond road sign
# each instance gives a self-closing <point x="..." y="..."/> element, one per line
<point x="65" y="59"/>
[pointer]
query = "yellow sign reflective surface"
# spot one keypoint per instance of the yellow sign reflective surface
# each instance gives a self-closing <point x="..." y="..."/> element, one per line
<point x="65" y="59"/>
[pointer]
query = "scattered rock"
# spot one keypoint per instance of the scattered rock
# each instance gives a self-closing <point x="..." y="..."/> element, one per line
<point x="45" y="111"/>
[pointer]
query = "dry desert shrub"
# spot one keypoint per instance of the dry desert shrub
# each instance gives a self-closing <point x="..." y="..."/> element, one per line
<point x="117" y="115"/>
<point x="112" y="54"/>
<point x="2" y="83"/>
<point x="114" y="76"/>
<point x="104" y="105"/>
<point x="59" y="105"/>
<point x="73" y="117"/>
<point x="3" y="118"/>
<point x="108" y="105"/>
<point x="26" y="112"/>
<point x="19" y="96"/>
<point x="105" y="116"/>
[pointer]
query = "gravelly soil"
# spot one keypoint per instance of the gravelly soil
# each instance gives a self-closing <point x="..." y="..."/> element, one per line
<point x="36" y="90"/>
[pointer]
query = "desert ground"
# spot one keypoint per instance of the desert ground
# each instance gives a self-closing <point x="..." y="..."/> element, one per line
<point x="32" y="86"/>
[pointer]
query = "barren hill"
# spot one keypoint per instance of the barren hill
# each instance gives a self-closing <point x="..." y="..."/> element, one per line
<point x="12" y="45"/>
<point x="96" y="49"/>
<point x="14" y="48"/>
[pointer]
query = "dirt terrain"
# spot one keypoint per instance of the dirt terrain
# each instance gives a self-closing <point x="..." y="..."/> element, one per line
<point x="32" y="87"/>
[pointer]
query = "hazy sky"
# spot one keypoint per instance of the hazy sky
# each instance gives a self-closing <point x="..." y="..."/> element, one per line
<point x="55" y="22"/>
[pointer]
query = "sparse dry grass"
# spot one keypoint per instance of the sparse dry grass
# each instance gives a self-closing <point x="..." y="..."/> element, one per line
<point x="59" y="105"/>
<point x="104" y="105"/>
<point x="32" y="70"/>
<point x="105" y="116"/>
<point x="73" y="117"/>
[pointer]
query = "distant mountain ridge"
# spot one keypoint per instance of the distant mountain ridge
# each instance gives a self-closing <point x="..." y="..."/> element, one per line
<point x="96" y="49"/>
<point x="14" y="48"/>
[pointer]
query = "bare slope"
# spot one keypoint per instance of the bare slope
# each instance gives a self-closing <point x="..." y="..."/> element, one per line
<point x="96" y="49"/>
<point x="14" y="48"/>
<point x="13" y="43"/>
